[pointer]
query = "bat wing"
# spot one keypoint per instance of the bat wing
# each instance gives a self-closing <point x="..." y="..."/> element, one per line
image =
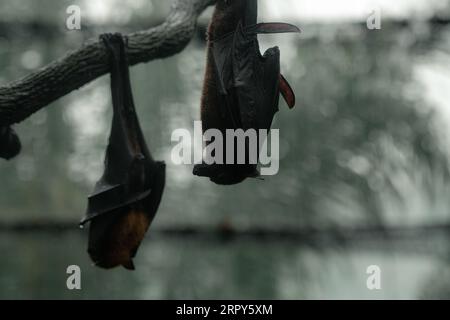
<point x="129" y="167"/>
<point x="249" y="83"/>
<point x="256" y="80"/>
<point x="272" y="27"/>
<point x="222" y="51"/>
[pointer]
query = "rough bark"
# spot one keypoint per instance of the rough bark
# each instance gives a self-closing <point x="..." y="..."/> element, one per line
<point x="22" y="98"/>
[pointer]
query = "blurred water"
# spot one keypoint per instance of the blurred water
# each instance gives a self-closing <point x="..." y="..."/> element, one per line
<point x="367" y="145"/>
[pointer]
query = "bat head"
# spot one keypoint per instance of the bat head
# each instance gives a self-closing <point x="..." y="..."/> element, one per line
<point x="226" y="174"/>
<point x="229" y="13"/>
<point x="115" y="237"/>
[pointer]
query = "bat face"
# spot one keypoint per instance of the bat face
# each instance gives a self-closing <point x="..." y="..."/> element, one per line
<point x="114" y="238"/>
<point x="10" y="145"/>
<point x="226" y="174"/>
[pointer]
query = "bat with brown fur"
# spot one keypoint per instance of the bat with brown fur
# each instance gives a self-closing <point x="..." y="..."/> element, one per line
<point x="241" y="87"/>
<point x="126" y="198"/>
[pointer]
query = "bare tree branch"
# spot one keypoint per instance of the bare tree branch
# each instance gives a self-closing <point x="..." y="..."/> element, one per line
<point x="26" y="96"/>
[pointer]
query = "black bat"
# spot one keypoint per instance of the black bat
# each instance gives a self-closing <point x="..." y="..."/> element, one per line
<point x="10" y="145"/>
<point x="126" y="198"/>
<point x="241" y="87"/>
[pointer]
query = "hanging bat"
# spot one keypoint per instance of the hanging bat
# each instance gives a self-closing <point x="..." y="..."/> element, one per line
<point x="10" y="145"/>
<point x="126" y="198"/>
<point x="241" y="87"/>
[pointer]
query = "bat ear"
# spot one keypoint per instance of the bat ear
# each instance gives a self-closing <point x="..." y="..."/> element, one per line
<point x="129" y="265"/>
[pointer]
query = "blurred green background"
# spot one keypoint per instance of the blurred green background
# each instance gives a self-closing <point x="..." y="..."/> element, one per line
<point x="364" y="174"/>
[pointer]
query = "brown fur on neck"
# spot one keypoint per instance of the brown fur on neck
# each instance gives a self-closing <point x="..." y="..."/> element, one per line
<point x="121" y="240"/>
